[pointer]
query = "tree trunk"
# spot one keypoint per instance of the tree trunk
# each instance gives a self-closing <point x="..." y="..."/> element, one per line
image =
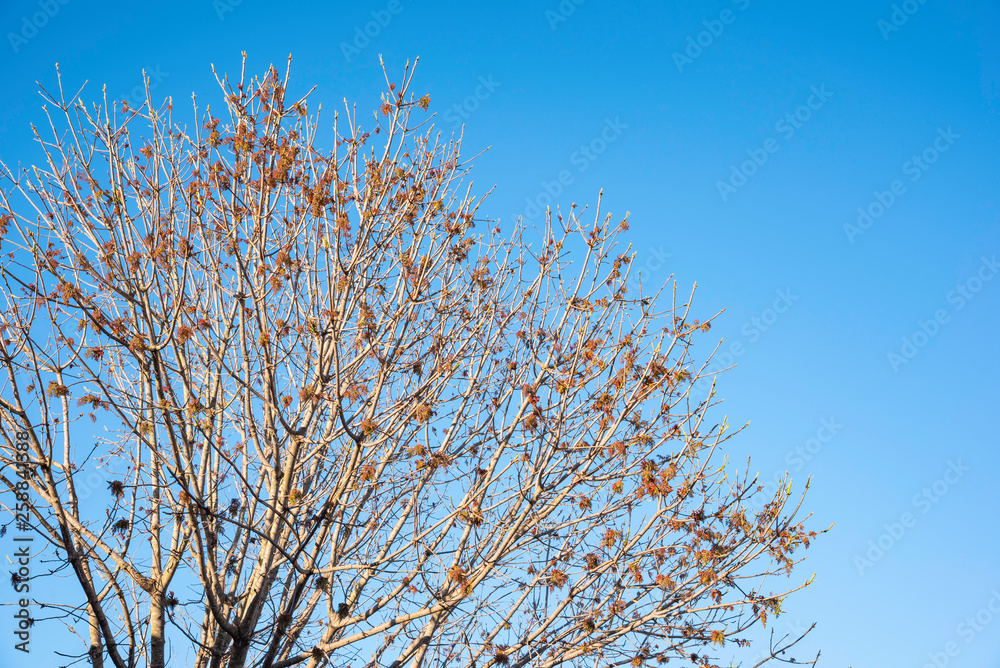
<point x="157" y="641"/>
<point x="96" y="650"/>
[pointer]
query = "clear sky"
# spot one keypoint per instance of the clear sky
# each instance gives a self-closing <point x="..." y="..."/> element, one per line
<point x="826" y="172"/>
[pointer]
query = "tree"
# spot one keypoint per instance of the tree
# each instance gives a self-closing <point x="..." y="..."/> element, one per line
<point x="338" y="423"/>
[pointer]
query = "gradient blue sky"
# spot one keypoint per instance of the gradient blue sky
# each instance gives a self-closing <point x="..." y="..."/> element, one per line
<point x="673" y="130"/>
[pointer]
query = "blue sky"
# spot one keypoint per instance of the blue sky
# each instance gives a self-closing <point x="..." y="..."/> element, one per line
<point x="743" y="136"/>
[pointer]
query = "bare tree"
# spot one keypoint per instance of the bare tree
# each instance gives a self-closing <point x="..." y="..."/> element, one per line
<point x="344" y="419"/>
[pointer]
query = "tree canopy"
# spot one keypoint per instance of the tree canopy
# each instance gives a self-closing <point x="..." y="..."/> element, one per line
<point x="345" y="418"/>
